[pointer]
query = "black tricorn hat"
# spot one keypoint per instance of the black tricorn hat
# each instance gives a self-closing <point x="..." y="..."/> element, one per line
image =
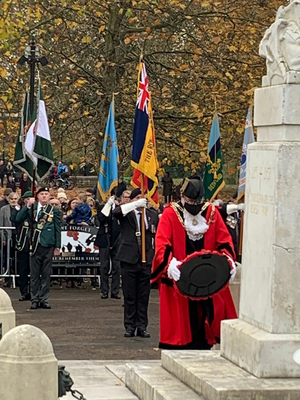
<point x="193" y="188"/>
<point x="203" y="274"/>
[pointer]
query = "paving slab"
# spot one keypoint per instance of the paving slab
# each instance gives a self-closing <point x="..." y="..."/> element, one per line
<point x="96" y="381"/>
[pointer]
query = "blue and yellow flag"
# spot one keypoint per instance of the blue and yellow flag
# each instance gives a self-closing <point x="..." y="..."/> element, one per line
<point x="144" y="157"/>
<point x="213" y="177"/>
<point x="108" y="175"/>
<point x="248" y="138"/>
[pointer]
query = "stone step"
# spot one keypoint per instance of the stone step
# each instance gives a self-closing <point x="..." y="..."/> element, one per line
<point x="149" y="381"/>
<point x="215" y="378"/>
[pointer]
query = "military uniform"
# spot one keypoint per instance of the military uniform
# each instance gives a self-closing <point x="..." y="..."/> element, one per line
<point x="46" y="237"/>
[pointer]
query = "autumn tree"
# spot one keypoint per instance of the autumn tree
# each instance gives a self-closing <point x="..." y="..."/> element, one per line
<point x="201" y="56"/>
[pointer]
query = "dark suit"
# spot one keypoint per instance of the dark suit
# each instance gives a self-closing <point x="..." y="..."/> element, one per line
<point x="41" y="260"/>
<point x="108" y="242"/>
<point x="135" y="276"/>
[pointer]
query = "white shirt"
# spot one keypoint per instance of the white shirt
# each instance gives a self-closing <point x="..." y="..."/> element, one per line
<point x="39" y="209"/>
<point x="138" y="219"/>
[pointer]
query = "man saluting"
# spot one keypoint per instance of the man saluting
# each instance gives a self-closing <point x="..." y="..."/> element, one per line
<point x="46" y="242"/>
<point x="187" y="227"/>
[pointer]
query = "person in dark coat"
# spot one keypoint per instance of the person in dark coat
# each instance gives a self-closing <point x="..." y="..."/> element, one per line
<point x="10" y="170"/>
<point x="11" y="183"/>
<point x="167" y="182"/>
<point x="107" y="241"/>
<point x="135" y="273"/>
<point x="120" y="188"/>
<point x="25" y="184"/>
<point x="2" y="172"/>
<point x="5" y="201"/>
<point x="231" y="215"/>
<point x="82" y="213"/>
<point x="22" y="247"/>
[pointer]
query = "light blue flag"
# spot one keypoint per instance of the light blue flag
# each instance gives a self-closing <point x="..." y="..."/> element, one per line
<point x="108" y="175"/>
<point x="248" y="138"/>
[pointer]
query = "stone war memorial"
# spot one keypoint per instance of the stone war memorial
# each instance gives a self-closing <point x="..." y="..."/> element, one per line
<point x="256" y="357"/>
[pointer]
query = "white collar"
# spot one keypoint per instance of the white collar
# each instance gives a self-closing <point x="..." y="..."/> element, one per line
<point x="195" y="225"/>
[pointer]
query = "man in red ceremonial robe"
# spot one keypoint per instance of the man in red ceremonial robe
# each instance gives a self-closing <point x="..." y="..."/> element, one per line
<point x="186" y="227"/>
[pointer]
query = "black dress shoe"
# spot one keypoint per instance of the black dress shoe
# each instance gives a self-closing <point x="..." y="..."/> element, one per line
<point x="129" y="333"/>
<point x="104" y="296"/>
<point x="115" y="296"/>
<point x="25" y="297"/>
<point x="45" y="304"/>
<point x="34" y="305"/>
<point x="142" y="333"/>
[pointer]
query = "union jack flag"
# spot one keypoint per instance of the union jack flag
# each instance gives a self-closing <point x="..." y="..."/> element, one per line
<point x="144" y="157"/>
<point x="143" y="97"/>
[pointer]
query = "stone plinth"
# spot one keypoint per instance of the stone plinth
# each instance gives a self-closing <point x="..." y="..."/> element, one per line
<point x="265" y="355"/>
<point x="276" y="114"/>
<point x="28" y="367"/>
<point x="268" y="333"/>
<point x="212" y="377"/>
<point x="7" y="314"/>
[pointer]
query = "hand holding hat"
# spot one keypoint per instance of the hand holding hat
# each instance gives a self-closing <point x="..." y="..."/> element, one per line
<point x="173" y="270"/>
<point x="233" y="267"/>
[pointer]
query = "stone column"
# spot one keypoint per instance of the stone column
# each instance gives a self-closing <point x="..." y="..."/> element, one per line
<point x="7" y="314"/>
<point x="267" y="333"/>
<point x="28" y="367"/>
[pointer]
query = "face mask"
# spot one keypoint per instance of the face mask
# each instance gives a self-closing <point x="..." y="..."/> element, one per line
<point x="193" y="209"/>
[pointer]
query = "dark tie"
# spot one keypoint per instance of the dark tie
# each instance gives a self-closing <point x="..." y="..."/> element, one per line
<point x="41" y="212"/>
<point x="140" y="220"/>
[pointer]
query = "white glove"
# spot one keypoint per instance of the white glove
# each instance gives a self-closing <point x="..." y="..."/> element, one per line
<point x="111" y="200"/>
<point x="173" y="271"/>
<point x="231" y="208"/>
<point x="141" y="203"/>
<point x="106" y="209"/>
<point x="18" y="208"/>
<point x="127" y="208"/>
<point x="241" y="207"/>
<point x="233" y="267"/>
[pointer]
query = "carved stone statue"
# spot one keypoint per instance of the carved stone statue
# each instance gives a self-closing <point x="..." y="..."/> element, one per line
<point x="281" y="46"/>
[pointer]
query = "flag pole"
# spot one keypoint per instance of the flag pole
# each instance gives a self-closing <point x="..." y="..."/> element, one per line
<point x="143" y="226"/>
<point x="32" y="211"/>
<point x="241" y="231"/>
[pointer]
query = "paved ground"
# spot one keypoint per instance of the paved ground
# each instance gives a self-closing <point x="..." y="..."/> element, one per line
<point x="82" y="326"/>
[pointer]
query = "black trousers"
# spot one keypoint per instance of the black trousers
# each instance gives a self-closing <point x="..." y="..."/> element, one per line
<point x="107" y="254"/>
<point x="23" y="267"/>
<point x="40" y="271"/>
<point x="136" y="290"/>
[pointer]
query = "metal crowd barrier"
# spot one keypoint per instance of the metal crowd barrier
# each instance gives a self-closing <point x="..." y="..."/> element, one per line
<point x="7" y="256"/>
<point x="60" y="269"/>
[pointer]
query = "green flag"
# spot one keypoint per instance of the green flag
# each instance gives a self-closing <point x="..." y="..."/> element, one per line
<point x="22" y="159"/>
<point x="42" y="148"/>
<point x="213" y="177"/>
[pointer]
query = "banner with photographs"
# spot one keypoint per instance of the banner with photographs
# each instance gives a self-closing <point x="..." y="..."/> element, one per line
<point x="77" y="245"/>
